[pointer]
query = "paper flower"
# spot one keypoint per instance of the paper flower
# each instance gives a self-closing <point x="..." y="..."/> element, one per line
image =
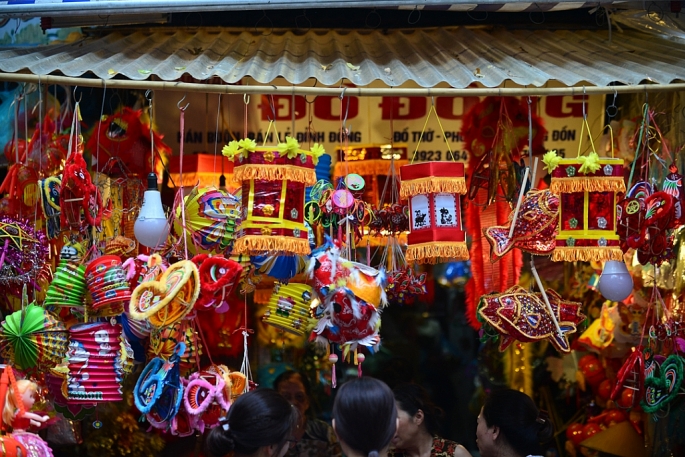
<point x="269" y="156"/>
<point x="231" y="149"/>
<point x="247" y="145"/>
<point x="317" y="151"/>
<point x="551" y="160"/>
<point x="289" y="148"/>
<point x="590" y="163"/>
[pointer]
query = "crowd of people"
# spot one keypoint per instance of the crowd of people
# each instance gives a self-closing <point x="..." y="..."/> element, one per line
<point x="371" y="420"/>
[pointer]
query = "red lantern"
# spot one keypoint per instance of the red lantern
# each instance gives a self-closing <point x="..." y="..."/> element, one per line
<point x="614" y="416"/>
<point x="587" y="188"/>
<point x="590" y="429"/>
<point x="604" y="389"/>
<point x="436" y="232"/>
<point x="273" y="180"/>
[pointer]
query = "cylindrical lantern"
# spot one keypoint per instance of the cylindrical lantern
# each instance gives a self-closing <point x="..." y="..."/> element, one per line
<point x="433" y="190"/>
<point x="95" y="369"/>
<point x="587" y="188"/>
<point x="288" y="308"/>
<point x="273" y="188"/>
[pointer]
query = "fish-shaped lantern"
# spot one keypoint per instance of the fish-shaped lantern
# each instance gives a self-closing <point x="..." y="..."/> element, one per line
<point x="520" y="315"/>
<point x="535" y="229"/>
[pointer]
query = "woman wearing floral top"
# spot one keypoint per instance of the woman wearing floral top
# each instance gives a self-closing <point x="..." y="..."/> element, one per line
<point x="312" y="437"/>
<point x="418" y="423"/>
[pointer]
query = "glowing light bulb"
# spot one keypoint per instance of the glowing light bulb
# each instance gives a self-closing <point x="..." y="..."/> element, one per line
<point x="615" y="283"/>
<point x="151" y="228"/>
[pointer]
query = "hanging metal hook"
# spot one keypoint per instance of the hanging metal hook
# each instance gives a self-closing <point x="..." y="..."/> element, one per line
<point x="181" y="101"/>
<point x="342" y="94"/>
<point x="80" y="95"/>
<point x="584" y="112"/>
<point x="148" y="95"/>
<point x="612" y="110"/>
<point x="246" y="99"/>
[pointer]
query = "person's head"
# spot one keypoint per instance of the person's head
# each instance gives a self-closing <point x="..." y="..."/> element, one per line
<point x="416" y="414"/>
<point x="295" y="388"/>
<point x="259" y="423"/>
<point x="364" y="416"/>
<point x="26" y="394"/>
<point x="510" y="420"/>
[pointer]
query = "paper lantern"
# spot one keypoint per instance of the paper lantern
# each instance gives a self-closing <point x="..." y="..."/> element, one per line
<point x="108" y="285"/>
<point x="288" y="308"/>
<point x="273" y="191"/>
<point x="95" y="370"/>
<point x="587" y="188"/>
<point x="433" y="190"/>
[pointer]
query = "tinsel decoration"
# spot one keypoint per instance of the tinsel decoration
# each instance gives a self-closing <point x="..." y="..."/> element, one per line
<point x="23" y="253"/>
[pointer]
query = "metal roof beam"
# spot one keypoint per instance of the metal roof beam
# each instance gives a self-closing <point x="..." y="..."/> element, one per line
<point x="89" y="7"/>
<point x="337" y="91"/>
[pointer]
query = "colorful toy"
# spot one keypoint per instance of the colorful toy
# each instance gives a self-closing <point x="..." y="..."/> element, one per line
<point x="517" y="314"/>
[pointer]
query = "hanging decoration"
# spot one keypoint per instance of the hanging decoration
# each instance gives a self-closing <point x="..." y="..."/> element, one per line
<point x="273" y="180"/>
<point x="433" y="190"/>
<point x="535" y="229"/>
<point x="169" y="298"/>
<point x="587" y="187"/>
<point x="94" y="375"/>
<point x="288" y="308"/>
<point x="23" y="253"/>
<point x="517" y="314"/>
<point x="109" y="289"/>
<point x="211" y="218"/>
<point x="495" y="132"/>
<point x="127" y="137"/>
<point x="33" y="338"/>
<point x="217" y="276"/>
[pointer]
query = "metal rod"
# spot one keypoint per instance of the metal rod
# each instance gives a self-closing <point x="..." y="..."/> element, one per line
<point x="100" y="7"/>
<point x="336" y="91"/>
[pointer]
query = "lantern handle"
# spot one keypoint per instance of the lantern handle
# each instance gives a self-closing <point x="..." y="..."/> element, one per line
<point x="442" y="130"/>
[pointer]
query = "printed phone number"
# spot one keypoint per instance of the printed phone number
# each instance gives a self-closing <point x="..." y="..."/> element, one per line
<point x="430" y="155"/>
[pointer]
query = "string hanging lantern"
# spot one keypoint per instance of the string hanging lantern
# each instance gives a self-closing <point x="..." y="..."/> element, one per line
<point x="433" y="190"/>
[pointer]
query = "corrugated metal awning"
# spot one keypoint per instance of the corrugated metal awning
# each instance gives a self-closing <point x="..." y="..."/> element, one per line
<point x="457" y="56"/>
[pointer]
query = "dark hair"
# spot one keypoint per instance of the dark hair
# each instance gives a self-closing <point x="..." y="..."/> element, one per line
<point x="365" y="415"/>
<point x="290" y="374"/>
<point x="258" y="418"/>
<point x="411" y="398"/>
<point x="521" y="424"/>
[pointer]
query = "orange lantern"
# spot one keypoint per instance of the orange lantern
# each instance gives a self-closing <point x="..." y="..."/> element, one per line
<point x="433" y="190"/>
<point x="273" y="191"/>
<point x="587" y="188"/>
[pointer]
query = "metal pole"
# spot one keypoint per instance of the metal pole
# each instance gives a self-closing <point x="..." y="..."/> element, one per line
<point x="336" y="91"/>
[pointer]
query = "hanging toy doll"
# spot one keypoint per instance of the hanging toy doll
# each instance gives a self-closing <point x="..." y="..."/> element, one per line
<point x="16" y="413"/>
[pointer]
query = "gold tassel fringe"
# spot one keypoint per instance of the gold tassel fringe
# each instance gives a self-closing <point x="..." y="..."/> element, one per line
<point x="437" y="251"/>
<point x="586" y="254"/>
<point x="275" y="173"/>
<point x="434" y="185"/>
<point x="601" y="184"/>
<point x="373" y="167"/>
<point x="264" y="243"/>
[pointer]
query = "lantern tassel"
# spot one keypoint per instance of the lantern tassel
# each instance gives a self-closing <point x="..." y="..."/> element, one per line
<point x="588" y="184"/>
<point x="436" y="251"/>
<point x="586" y="254"/>
<point x="275" y="173"/>
<point x="433" y="184"/>
<point x="264" y="243"/>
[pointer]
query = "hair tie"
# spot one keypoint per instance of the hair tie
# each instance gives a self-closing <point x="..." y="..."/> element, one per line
<point x="224" y="424"/>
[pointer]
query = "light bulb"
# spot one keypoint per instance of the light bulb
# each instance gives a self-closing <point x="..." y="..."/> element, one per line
<point x="151" y="228"/>
<point x="615" y="283"/>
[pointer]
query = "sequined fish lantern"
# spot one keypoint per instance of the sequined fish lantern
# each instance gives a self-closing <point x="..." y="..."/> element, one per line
<point x="587" y="188"/>
<point x="535" y="230"/>
<point x="434" y="190"/>
<point x="273" y="192"/>
<point x="523" y="316"/>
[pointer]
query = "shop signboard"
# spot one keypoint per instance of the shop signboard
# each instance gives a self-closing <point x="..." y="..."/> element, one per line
<point x="366" y="120"/>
